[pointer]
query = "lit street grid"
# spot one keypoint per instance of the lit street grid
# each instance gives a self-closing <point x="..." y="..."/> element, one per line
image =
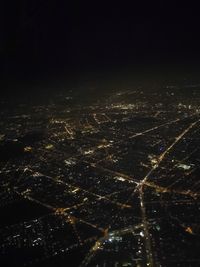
<point x="114" y="181"/>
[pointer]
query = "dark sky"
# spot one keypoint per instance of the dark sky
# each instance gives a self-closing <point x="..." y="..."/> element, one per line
<point x="48" y="37"/>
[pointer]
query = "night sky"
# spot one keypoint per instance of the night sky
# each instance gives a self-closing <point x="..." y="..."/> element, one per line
<point x="48" y="38"/>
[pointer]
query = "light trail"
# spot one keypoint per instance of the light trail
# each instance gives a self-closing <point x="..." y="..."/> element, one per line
<point x="99" y="197"/>
<point x="153" y="128"/>
<point x="162" y="189"/>
<point x="125" y="176"/>
<point x="147" y="239"/>
<point x="72" y="221"/>
<point x="178" y="138"/>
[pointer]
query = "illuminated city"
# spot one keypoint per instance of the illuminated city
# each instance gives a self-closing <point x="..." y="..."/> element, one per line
<point x="113" y="181"/>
